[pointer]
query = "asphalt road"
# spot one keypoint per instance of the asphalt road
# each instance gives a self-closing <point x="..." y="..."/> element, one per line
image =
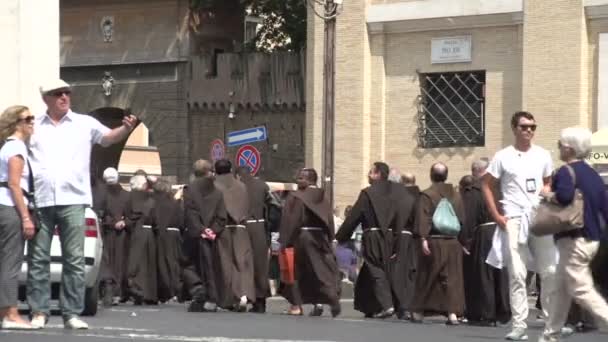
<point x="171" y="322"/>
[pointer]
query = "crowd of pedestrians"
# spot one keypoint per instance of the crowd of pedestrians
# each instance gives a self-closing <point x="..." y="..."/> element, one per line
<point x="462" y="251"/>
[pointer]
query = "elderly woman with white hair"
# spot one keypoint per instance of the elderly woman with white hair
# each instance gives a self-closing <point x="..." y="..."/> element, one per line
<point x="140" y="221"/>
<point x="577" y="248"/>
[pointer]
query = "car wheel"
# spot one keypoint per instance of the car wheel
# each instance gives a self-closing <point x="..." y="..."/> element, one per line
<point x="90" y="301"/>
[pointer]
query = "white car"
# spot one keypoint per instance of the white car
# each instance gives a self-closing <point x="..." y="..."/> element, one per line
<point x="93" y="247"/>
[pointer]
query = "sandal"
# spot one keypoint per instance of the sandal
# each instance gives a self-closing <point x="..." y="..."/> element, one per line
<point x="292" y="312"/>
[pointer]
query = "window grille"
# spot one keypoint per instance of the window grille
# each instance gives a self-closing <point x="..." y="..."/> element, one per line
<point x="451" y="109"/>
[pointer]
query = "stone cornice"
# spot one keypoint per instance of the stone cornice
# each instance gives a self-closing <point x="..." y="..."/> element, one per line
<point x="431" y="15"/>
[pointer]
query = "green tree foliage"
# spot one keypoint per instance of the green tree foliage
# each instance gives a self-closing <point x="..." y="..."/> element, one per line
<point x="283" y="26"/>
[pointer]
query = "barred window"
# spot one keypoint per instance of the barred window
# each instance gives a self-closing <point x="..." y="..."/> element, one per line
<point x="451" y="109"/>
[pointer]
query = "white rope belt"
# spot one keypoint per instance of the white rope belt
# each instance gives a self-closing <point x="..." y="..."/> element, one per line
<point x="374" y="229"/>
<point x="235" y="226"/>
<point x="255" y="221"/>
<point x="487" y="224"/>
<point x="407" y="232"/>
<point x="441" y="237"/>
<point x="146" y="226"/>
<point x="173" y="229"/>
<point x="313" y="229"/>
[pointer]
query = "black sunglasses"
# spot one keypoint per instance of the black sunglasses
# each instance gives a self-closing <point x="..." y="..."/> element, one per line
<point x="59" y="93"/>
<point x="28" y="119"/>
<point x="526" y="127"/>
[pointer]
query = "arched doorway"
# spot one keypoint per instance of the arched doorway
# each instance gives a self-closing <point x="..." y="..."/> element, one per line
<point x="136" y="152"/>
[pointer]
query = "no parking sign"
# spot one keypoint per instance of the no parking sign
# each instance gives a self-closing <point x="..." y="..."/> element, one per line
<point x="218" y="151"/>
<point x="249" y="157"/>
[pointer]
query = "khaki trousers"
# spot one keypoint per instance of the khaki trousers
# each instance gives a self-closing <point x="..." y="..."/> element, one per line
<point x="574" y="281"/>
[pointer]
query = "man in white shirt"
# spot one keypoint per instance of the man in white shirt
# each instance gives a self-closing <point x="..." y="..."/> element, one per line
<point x="523" y="170"/>
<point x="60" y="158"/>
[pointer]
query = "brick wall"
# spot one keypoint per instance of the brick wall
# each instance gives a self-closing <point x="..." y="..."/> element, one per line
<point x="161" y="105"/>
<point x="555" y="80"/>
<point x="496" y="50"/>
<point x="285" y="129"/>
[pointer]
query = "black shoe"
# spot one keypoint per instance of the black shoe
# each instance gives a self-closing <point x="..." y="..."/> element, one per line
<point x="403" y="315"/>
<point x="259" y="306"/>
<point x="196" y="306"/>
<point x="107" y="296"/>
<point x="369" y="315"/>
<point x="138" y="300"/>
<point x="336" y="310"/>
<point x="317" y="310"/>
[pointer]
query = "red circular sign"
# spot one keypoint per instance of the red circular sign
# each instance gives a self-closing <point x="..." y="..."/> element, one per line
<point x="249" y="157"/>
<point x="218" y="151"/>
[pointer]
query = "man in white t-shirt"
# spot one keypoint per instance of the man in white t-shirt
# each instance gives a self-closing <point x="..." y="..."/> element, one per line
<point x="522" y="170"/>
<point x="60" y="158"/>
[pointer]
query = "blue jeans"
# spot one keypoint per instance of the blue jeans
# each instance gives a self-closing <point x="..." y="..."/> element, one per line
<point x="70" y="219"/>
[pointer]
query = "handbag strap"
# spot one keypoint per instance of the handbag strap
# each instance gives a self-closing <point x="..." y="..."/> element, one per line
<point x="572" y="173"/>
<point x="30" y="180"/>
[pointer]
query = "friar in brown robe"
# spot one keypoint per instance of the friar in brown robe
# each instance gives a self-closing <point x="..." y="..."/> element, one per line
<point x="142" y="261"/>
<point x="259" y="199"/>
<point x="403" y="264"/>
<point x="115" y="239"/>
<point x="378" y="210"/>
<point x="169" y="222"/>
<point x="486" y="288"/>
<point x="233" y="247"/>
<point x="307" y="225"/>
<point x="205" y="217"/>
<point x="439" y="279"/>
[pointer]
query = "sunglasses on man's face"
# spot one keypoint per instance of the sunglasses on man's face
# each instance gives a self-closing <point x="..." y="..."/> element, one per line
<point x="28" y="119"/>
<point x="59" y="93"/>
<point x="527" y="127"/>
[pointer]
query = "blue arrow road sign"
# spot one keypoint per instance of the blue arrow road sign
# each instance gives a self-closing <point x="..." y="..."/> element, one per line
<point x="246" y="136"/>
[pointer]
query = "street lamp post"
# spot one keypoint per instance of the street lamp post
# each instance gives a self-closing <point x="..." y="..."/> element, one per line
<point x="330" y="12"/>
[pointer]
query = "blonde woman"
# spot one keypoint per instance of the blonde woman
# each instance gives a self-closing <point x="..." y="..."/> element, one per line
<point x="16" y="225"/>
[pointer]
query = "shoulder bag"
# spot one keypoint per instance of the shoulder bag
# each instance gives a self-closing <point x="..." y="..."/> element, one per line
<point x="553" y="218"/>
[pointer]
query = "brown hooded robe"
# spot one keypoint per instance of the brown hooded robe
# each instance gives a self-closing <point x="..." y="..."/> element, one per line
<point x="142" y="267"/>
<point x="377" y="210"/>
<point x="115" y="242"/>
<point x="169" y="223"/>
<point x="259" y="197"/>
<point x="233" y="246"/>
<point x="204" y="208"/>
<point x="307" y="226"/>
<point x="439" y="279"/>
<point x="486" y="288"/>
<point x="403" y="266"/>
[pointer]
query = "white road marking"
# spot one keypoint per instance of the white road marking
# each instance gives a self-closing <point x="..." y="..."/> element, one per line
<point x="60" y="326"/>
<point x="281" y="299"/>
<point x="153" y="337"/>
<point x="138" y="310"/>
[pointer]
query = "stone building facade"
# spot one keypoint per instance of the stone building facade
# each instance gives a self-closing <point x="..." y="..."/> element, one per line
<point x="402" y="65"/>
<point x="246" y="91"/>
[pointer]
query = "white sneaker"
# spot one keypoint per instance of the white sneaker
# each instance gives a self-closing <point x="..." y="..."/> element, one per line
<point x="547" y="338"/>
<point x="517" y="334"/>
<point x="566" y="331"/>
<point x="10" y="325"/>
<point x="75" y="323"/>
<point x="38" y="322"/>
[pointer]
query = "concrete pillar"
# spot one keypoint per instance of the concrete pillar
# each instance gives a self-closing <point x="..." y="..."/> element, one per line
<point x="555" y="66"/>
<point x="29" y="36"/>
<point x="354" y="129"/>
<point x="314" y="93"/>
